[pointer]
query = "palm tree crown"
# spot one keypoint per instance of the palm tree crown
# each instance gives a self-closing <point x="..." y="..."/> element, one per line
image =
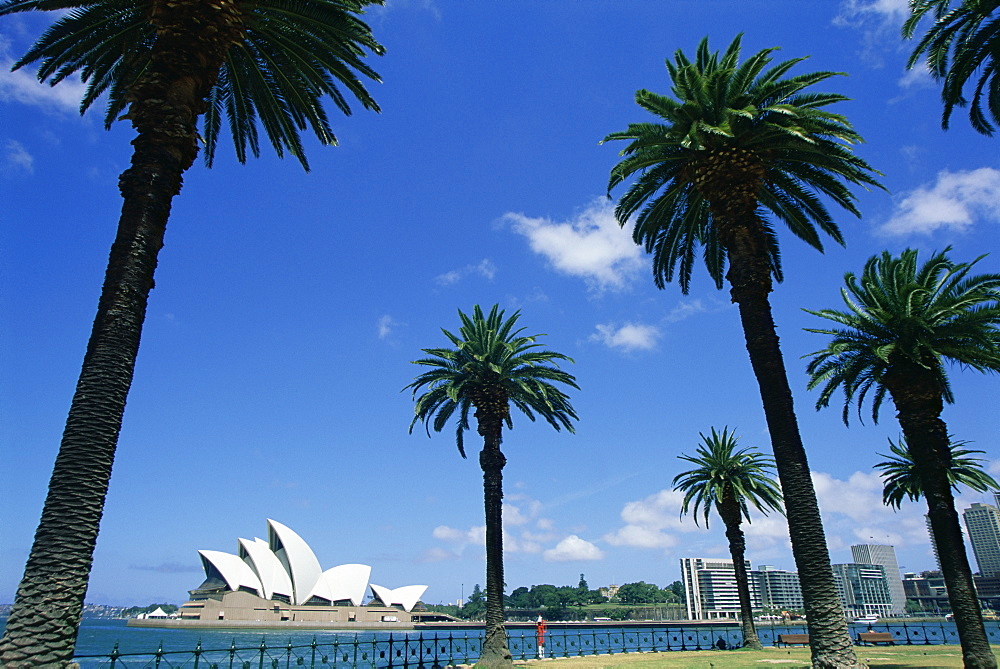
<point x="901" y="312"/>
<point x="959" y="45"/>
<point x="285" y="57"/>
<point x="736" y="137"/>
<point x="722" y="473"/>
<point x="491" y="364"/>
<point x="901" y="477"/>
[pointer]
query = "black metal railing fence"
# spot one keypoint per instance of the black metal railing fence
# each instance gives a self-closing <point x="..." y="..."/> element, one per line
<point x="439" y="649"/>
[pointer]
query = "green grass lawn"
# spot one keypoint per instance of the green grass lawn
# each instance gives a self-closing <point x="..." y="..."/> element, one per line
<point x="885" y="657"/>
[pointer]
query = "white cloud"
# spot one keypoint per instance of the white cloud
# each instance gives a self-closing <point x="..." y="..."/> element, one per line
<point x="890" y="11"/>
<point x="475" y="535"/>
<point x="853" y="511"/>
<point x="571" y="549"/>
<point x="513" y="516"/>
<point x="386" y="325"/>
<point x="591" y="246"/>
<point x="436" y="554"/>
<point x="485" y="268"/>
<point x="629" y="337"/>
<point x="638" y="536"/>
<point x="919" y="76"/>
<point x="17" y="158"/>
<point x="956" y="201"/>
<point x="22" y="86"/>
<point x="646" y="520"/>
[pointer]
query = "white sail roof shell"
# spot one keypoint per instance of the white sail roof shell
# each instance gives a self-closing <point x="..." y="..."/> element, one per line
<point x="346" y="581"/>
<point x="273" y="576"/>
<point x="286" y="565"/>
<point x="234" y="570"/>
<point x="301" y="562"/>
<point x="407" y="596"/>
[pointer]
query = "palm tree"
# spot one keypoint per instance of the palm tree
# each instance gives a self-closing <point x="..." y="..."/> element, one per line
<point x="739" y="142"/>
<point x="959" y="45"/>
<point x="165" y="63"/>
<point x="903" y="322"/>
<point x="491" y="366"/>
<point x="726" y="479"/>
<point x="901" y="477"/>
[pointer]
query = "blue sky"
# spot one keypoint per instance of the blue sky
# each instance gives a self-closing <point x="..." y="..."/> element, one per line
<point x="288" y="306"/>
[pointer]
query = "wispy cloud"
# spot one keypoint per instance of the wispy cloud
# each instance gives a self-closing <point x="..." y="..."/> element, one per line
<point x="485" y="268"/>
<point x="16" y="158"/>
<point x="386" y="326"/>
<point x="878" y="22"/>
<point x="628" y="337"/>
<point x="437" y="554"/>
<point x="591" y="245"/>
<point x="398" y="5"/>
<point x="687" y="308"/>
<point x="955" y="201"/>
<point x="168" y="567"/>
<point x="573" y="549"/>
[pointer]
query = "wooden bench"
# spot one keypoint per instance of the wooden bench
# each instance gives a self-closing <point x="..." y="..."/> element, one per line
<point x="876" y="637"/>
<point x="792" y="640"/>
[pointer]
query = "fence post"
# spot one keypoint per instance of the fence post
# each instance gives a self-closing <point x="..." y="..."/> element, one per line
<point x="197" y="654"/>
<point x="114" y="655"/>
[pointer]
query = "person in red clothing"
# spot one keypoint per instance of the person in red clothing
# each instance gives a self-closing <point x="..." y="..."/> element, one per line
<point x="540" y="636"/>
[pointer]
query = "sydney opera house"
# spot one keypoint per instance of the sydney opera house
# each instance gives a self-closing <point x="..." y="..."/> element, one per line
<point x="281" y="581"/>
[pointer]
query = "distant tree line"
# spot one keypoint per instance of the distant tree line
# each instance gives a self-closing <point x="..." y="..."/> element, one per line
<point x="577" y="602"/>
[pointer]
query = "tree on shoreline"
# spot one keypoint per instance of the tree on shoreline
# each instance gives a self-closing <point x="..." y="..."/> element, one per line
<point x="725" y="479"/>
<point x="903" y="322"/>
<point x="492" y="366"/>
<point x="738" y="145"/>
<point x="167" y="64"/>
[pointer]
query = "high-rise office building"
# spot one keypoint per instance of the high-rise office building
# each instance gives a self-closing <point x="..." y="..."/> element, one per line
<point x="865" y="589"/>
<point x="710" y="587"/>
<point x="885" y="556"/>
<point x="982" y="521"/>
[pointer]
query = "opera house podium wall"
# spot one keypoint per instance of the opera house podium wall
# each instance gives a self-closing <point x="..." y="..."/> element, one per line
<point x="242" y="609"/>
<point x="279" y="583"/>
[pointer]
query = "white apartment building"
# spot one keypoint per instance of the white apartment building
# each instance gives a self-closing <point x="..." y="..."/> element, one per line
<point x="886" y="557"/>
<point x="710" y="586"/>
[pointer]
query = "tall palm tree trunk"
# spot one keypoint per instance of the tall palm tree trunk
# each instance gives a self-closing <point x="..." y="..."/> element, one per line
<point x="731" y="516"/>
<point x="918" y="402"/>
<point x="750" y="278"/>
<point x="491" y="459"/>
<point x="42" y="627"/>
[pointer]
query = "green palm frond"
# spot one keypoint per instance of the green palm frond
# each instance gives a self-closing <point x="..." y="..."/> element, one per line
<point x="718" y="104"/>
<point x="490" y="354"/>
<point x="899" y="310"/>
<point x="959" y="48"/>
<point x="901" y="477"/>
<point x="725" y="471"/>
<point x="293" y="55"/>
